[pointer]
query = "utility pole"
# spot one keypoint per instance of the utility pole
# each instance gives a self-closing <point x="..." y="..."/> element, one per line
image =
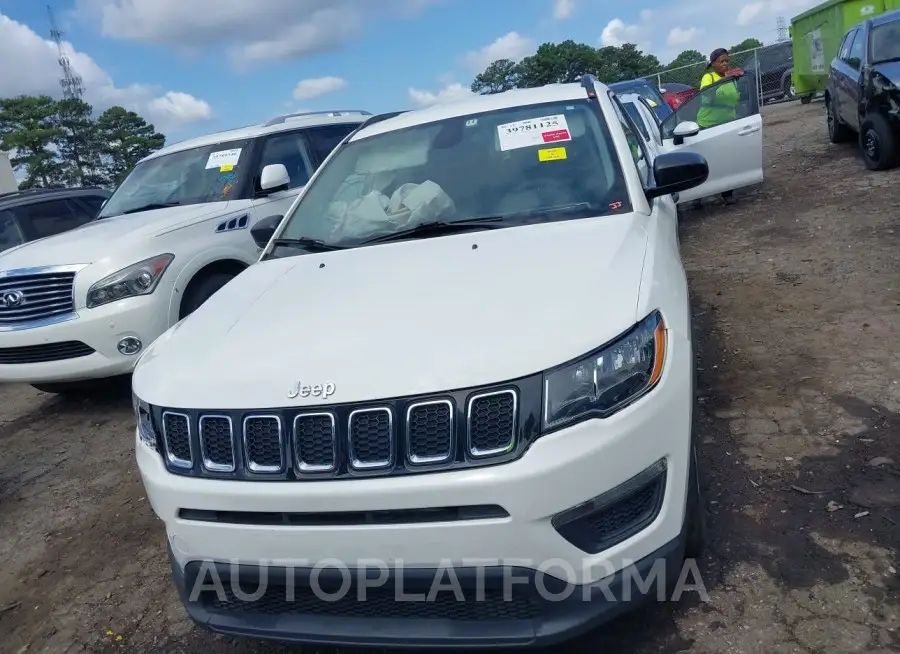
<point x="782" y="29"/>
<point x="71" y="83"/>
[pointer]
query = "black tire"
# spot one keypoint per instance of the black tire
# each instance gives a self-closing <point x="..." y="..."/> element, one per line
<point x="838" y="132"/>
<point x="201" y="290"/>
<point x="787" y="88"/>
<point x="880" y="148"/>
<point x="695" y="516"/>
<point x="806" y="99"/>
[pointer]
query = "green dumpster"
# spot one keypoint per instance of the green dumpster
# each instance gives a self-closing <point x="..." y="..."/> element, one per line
<point x="816" y="35"/>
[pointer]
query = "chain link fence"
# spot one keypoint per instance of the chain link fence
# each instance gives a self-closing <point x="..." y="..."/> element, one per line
<point x="772" y="66"/>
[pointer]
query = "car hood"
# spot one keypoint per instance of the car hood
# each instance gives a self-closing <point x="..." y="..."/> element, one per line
<point x="403" y="318"/>
<point x="98" y="239"/>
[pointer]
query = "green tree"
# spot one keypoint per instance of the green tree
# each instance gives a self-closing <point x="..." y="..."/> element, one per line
<point x="124" y="139"/>
<point x="746" y="44"/>
<point x="76" y="143"/>
<point x="501" y="75"/>
<point x="566" y="62"/>
<point x="558" y="63"/>
<point x="687" y="58"/>
<point x="28" y="130"/>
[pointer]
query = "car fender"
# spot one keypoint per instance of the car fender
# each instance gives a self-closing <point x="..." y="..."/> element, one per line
<point x="199" y="261"/>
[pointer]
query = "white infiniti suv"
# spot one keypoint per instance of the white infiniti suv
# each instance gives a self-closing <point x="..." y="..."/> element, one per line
<point x="83" y="305"/>
<point x="453" y="402"/>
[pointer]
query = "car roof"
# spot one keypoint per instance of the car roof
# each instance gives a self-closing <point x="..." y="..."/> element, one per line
<point x="629" y="83"/>
<point x="27" y="196"/>
<point x="476" y="105"/>
<point x="886" y="17"/>
<point x="277" y="124"/>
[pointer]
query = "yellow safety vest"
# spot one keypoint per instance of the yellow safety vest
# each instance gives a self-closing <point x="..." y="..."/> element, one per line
<point x="719" y="107"/>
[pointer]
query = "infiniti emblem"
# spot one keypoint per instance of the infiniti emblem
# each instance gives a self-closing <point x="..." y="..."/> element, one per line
<point x="12" y="299"/>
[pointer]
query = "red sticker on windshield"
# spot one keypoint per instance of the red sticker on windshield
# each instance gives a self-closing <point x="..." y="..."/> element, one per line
<point x="556" y="135"/>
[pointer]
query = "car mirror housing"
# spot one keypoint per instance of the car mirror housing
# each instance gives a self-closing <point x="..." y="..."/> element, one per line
<point x="677" y="171"/>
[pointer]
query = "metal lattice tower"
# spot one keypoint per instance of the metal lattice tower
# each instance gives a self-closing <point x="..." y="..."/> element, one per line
<point x="71" y="83"/>
<point x="782" y="29"/>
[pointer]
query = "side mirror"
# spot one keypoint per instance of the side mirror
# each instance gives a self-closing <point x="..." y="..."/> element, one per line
<point x="274" y="176"/>
<point x="677" y="171"/>
<point x="263" y="230"/>
<point x="685" y="130"/>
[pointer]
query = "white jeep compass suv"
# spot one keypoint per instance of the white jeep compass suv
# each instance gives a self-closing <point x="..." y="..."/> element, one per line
<point x="452" y="404"/>
<point x="82" y="305"/>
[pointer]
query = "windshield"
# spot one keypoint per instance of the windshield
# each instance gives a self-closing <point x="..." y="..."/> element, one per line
<point x="10" y="232"/>
<point x="886" y="42"/>
<point x="644" y="90"/>
<point x="522" y="164"/>
<point x="211" y="173"/>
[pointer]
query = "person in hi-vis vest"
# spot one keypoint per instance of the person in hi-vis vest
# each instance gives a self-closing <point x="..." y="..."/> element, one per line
<point x="721" y="106"/>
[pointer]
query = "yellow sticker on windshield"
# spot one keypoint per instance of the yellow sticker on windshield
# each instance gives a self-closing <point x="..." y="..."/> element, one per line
<point x="651" y="103"/>
<point x="551" y="154"/>
<point x="227" y="168"/>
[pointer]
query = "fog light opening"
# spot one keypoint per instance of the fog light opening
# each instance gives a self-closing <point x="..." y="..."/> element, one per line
<point x="129" y="346"/>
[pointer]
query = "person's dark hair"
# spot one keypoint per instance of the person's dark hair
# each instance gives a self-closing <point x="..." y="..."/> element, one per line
<point x="718" y="52"/>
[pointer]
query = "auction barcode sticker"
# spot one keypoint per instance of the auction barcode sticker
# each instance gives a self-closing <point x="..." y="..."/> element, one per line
<point x="534" y="131"/>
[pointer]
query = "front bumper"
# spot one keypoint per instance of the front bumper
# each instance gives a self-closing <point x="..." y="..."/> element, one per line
<point x="560" y="471"/>
<point x="491" y="606"/>
<point x="100" y="329"/>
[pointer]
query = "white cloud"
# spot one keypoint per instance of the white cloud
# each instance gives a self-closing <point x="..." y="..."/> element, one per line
<point x="450" y="93"/>
<point x="248" y="31"/>
<point x="748" y="13"/>
<point x="617" y="33"/>
<point x="563" y="9"/>
<point x="679" y="36"/>
<point x="315" y="86"/>
<point x="36" y="71"/>
<point x="509" y="46"/>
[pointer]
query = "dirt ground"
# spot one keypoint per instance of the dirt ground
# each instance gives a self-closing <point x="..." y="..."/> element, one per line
<point x="796" y="291"/>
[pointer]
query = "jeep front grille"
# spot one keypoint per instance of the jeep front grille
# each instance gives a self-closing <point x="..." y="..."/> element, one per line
<point x="394" y="437"/>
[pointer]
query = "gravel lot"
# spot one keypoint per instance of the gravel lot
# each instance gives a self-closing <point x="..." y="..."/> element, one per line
<point x="796" y="292"/>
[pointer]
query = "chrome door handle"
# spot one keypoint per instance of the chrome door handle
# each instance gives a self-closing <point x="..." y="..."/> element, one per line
<point x="748" y="130"/>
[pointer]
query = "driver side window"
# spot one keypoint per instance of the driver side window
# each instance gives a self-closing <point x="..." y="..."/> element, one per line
<point x="717" y="104"/>
<point x="289" y="149"/>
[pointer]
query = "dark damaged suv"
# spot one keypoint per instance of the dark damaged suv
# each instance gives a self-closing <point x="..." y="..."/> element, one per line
<point x="863" y="94"/>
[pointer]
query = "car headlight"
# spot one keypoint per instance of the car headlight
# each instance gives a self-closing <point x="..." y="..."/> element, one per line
<point x="137" y="279"/>
<point x="607" y="379"/>
<point x="144" y="420"/>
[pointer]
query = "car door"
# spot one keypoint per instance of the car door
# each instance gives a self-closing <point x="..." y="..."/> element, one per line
<point x="733" y="148"/>
<point x="842" y="75"/>
<point x="852" y="76"/>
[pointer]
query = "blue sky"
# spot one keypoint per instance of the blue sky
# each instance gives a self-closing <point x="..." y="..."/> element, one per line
<point x="192" y="66"/>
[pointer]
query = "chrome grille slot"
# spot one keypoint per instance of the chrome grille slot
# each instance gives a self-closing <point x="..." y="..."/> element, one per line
<point x="177" y="440"/>
<point x="371" y="436"/>
<point x="217" y="443"/>
<point x="32" y="297"/>
<point x="264" y="444"/>
<point x="429" y="432"/>
<point x="315" y="444"/>
<point x="491" y="421"/>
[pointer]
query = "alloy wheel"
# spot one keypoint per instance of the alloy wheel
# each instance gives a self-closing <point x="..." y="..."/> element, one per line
<point x="871" y="144"/>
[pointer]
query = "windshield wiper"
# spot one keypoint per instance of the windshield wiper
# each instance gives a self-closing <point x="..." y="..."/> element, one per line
<point x="438" y="227"/>
<point x="309" y="244"/>
<point x="151" y="206"/>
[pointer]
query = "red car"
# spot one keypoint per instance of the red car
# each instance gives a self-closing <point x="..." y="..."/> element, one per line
<point x="676" y="94"/>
